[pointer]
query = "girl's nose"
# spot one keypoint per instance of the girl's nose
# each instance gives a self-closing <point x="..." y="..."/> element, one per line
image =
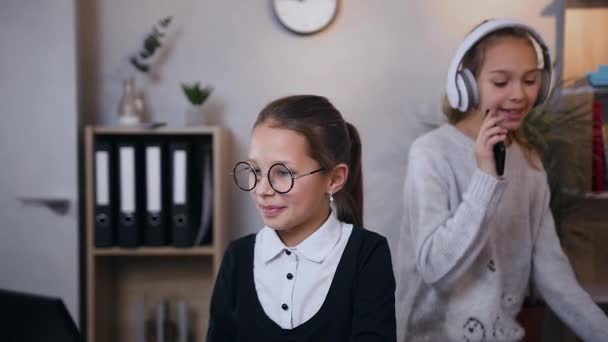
<point x="263" y="187"/>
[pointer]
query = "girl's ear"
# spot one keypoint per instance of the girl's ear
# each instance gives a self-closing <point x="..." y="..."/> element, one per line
<point x="337" y="178"/>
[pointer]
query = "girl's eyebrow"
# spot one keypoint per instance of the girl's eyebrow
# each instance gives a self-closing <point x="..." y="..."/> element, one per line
<point x="500" y="71"/>
<point x="533" y="70"/>
<point x="253" y="161"/>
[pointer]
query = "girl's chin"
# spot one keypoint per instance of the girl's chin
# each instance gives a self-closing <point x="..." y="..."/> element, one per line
<point x="274" y="223"/>
<point x="511" y="125"/>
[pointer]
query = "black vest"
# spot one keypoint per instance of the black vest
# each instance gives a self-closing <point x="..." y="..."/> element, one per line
<point x="331" y="323"/>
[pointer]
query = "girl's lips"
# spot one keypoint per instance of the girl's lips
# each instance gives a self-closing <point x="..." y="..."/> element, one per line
<point x="271" y="211"/>
<point x="512" y="114"/>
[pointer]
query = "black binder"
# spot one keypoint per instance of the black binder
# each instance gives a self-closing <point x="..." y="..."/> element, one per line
<point x="105" y="215"/>
<point x="205" y="231"/>
<point x="186" y="184"/>
<point x="155" y="194"/>
<point x="129" y="203"/>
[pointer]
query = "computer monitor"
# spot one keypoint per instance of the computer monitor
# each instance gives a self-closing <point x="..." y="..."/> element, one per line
<point x="27" y="317"/>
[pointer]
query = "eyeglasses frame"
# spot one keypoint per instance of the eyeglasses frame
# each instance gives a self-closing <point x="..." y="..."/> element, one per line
<point x="267" y="174"/>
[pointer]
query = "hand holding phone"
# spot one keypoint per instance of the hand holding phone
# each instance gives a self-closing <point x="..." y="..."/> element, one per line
<point x="490" y="149"/>
<point x="500" y="154"/>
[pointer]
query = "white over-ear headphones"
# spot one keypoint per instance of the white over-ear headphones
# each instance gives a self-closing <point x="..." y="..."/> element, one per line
<point x="461" y="86"/>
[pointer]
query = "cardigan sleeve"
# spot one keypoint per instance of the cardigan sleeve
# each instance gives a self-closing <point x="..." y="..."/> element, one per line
<point x="222" y="327"/>
<point x="446" y="240"/>
<point x="556" y="282"/>
<point x="374" y="296"/>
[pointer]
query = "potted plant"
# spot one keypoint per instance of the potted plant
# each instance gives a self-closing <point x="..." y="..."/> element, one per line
<point x="131" y="109"/>
<point x="560" y="131"/>
<point x="143" y="60"/>
<point x="196" y="97"/>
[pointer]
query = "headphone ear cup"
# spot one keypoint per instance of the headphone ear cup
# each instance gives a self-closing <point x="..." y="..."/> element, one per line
<point x="543" y="91"/>
<point x="463" y="95"/>
<point x="472" y="91"/>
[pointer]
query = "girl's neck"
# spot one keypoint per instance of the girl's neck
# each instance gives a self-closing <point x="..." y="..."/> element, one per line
<point x="294" y="236"/>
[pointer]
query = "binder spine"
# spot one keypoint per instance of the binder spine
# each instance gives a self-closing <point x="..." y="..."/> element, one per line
<point x="205" y="231"/>
<point x="129" y="230"/>
<point x="155" y="225"/>
<point x="186" y="184"/>
<point x="105" y="221"/>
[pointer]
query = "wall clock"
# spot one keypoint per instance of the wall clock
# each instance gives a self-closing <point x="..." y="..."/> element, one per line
<point x="305" y="17"/>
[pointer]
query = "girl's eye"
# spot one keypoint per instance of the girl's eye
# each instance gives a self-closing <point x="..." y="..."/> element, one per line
<point x="283" y="174"/>
<point x="499" y="84"/>
<point x="530" y="82"/>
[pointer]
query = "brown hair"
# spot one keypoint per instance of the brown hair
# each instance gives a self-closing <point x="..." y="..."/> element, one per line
<point x="331" y="141"/>
<point x="473" y="60"/>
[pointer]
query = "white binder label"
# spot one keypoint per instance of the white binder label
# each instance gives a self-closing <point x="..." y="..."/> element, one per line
<point x="102" y="178"/>
<point x="127" y="179"/>
<point x="153" y="181"/>
<point x="179" y="177"/>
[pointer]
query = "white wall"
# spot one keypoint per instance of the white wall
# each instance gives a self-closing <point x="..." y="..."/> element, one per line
<point x="38" y="121"/>
<point x="382" y="64"/>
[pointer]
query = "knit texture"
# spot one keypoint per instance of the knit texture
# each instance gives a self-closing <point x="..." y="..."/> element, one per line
<point x="470" y="243"/>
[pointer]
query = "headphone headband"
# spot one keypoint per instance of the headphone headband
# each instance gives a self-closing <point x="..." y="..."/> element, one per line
<point x="457" y="95"/>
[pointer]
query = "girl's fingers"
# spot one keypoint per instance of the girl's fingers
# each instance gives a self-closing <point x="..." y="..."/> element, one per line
<point x="495" y="139"/>
<point x="491" y="120"/>
<point x="490" y="132"/>
<point x="495" y="130"/>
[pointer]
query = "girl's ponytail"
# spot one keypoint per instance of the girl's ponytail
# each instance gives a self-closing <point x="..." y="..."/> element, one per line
<point x="349" y="200"/>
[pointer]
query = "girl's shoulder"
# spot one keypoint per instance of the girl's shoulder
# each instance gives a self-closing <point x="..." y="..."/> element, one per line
<point x="368" y="248"/>
<point x="366" y="238"/>
<point x="241" y="244"/>
<point x="439" y="151"/>
<point x="442" y="138"/>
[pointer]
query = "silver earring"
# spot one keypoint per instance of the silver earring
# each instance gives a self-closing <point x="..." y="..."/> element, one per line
<point x="332" y="203"/>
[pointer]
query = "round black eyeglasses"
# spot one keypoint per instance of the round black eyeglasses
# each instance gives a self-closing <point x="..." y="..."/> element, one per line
<point x="280" y="177"/>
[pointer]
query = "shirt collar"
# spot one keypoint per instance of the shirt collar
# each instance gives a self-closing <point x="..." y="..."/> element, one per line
<point x="315" y="248"/>
<point x="270" y="243"/>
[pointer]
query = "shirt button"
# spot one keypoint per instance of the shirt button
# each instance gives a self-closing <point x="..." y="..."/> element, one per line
<point x="289" y="276"/>
<point x="284" y="307"/>
<point x="288" y="252"/>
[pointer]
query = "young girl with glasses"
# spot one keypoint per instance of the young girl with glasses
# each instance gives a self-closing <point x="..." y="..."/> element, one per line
<point x="474" y="237"/>
<point x="312" y="273"/>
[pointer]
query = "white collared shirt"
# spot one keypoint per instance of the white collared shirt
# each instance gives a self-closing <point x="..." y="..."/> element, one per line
<point x="292" y="282"/>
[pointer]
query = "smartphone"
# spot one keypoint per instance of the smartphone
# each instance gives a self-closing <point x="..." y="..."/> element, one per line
<point x="500" y="154"/>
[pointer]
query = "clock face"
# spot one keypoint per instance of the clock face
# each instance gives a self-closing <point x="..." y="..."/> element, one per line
<point x="305" y="16"/>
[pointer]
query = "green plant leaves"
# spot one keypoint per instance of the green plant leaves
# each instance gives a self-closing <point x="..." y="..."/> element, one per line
<point x="560" y="130"/>
<point x="195" y="94"/>
<point x="150" y="45"/>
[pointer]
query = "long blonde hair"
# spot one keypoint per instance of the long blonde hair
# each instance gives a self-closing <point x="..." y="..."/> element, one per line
<point x="473" y="60"/>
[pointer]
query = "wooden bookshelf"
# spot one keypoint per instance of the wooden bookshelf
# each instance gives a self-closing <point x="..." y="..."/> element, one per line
<point x="155" y="251"/>
<point x="585" y="38"/>
<point x="119" y="278"/>
<point x="597" y="195"/>
<point x="584" y="238"/>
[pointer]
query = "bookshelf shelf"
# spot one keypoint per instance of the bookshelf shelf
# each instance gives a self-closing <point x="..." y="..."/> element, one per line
<point x="155" y="251"/>
<point x="597" y="195"/>
<point x="200" y="130"/>
<point x="119" y="280"/>
<point x="602" y="195"/>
